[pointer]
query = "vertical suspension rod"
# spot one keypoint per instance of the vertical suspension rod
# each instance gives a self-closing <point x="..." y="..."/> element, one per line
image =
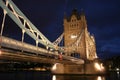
<point x="3" y="22"/>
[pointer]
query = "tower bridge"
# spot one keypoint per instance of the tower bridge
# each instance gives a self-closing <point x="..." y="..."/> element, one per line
<point x="79" y="46"/>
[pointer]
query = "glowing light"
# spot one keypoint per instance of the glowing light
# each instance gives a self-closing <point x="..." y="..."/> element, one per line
<point x="99" y="78"/>
<point x="54" y="66"/>
<point x="97" y="66"/>
<point x="118" y="72"/>
<point x="0" y="52"/>
<point x="73" y="36"/>
<point x="117" y="69"/>
<point x="54" y="77"/>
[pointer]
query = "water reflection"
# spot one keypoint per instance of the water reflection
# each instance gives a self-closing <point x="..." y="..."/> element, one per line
<point x="31" y="75"/>
<point x="54" y="77"/>
<point x="78" y="77"/>
<point x="100" y="78"/>
<point x="118" y="74"/>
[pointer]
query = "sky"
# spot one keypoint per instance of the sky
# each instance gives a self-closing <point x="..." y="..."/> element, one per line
<point x="103" y="20"/>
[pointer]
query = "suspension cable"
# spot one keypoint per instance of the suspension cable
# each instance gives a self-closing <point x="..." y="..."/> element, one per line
<point x="3" y="22"/>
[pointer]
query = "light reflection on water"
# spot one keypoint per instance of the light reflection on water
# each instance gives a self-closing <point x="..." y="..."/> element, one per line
<point x="54" y="77"/>
<point x="110" y="76"/>
<point x="78" y="77"/>
<point x="100" y="78"/>
<point x="26" y="75"/>
<point x="118" y="74"/>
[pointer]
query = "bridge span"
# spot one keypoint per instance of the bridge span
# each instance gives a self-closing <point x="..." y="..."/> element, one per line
<point x="18" y="51"/>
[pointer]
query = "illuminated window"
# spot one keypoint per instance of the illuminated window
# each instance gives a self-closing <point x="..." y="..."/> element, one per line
<point x="73" y="36"/>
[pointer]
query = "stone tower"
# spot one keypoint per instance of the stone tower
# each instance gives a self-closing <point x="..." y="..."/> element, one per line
<point x="77" y="40"/>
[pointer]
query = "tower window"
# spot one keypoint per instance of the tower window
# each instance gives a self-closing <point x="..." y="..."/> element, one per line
<point x="73" y="36"/>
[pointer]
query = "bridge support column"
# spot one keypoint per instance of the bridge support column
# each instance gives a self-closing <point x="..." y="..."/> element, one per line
<point x="88" y="68"/>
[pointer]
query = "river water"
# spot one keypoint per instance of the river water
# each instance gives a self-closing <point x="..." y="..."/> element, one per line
<point x="33" y="75"/>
